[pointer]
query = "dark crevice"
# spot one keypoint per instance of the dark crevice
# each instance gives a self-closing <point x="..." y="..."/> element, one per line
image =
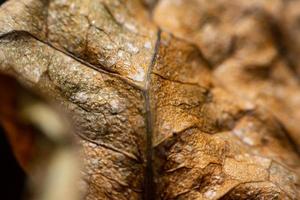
<point x="149" y="175"/>
<point x="2" y="1"/>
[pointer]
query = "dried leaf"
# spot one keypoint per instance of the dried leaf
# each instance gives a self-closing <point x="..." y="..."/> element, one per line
<point x="204" y="114"/>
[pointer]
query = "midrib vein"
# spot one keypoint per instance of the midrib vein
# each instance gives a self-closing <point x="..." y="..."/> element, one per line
<point x="149" y="182"/>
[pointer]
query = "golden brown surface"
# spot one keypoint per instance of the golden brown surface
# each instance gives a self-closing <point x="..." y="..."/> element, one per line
<point x="207" y="111"/>
<point x="245" y="43"/>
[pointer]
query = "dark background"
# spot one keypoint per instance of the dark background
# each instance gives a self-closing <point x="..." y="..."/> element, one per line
<point x="12" y="177"/>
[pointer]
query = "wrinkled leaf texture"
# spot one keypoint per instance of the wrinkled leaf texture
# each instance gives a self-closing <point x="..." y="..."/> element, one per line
<point x="192" y="100"/>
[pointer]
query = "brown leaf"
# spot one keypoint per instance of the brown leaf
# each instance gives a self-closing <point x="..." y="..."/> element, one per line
<point x="204" y="114"/>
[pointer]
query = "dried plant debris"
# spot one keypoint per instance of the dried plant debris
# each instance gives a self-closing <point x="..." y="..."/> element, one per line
<point x="201" y="104"/>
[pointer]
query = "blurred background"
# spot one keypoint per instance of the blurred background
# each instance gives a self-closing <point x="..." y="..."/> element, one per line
<point x="12" y="175"/>
<point x="36" y="146"/>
